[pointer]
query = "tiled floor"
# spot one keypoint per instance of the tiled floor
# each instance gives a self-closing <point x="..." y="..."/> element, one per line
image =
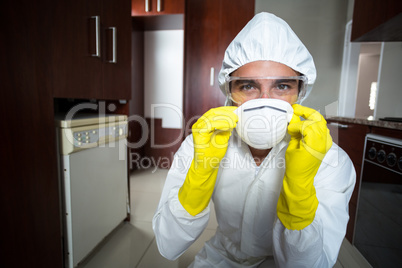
<point x="133" y="243"/>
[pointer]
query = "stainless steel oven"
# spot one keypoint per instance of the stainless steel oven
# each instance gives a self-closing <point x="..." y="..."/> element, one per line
<point x="378" y="229"/>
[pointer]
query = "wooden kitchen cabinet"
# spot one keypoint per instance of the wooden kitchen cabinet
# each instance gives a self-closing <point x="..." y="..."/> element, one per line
<point x="376" y="21"/>
<point x="117" y="75"/>
<point x="43" y="59"/>
<point x="30" y="206"/>
<point x="350" y="137"/>
<point x="156" y="7"/>
<point x="210" y="26"/>
<point x="92" y="49"/>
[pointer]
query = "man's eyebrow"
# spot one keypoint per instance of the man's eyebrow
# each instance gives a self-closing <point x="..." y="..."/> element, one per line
<point x="242" y="81"/>
<point x="278" y="81"/>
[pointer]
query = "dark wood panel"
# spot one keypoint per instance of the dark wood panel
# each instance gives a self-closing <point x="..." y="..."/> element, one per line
<point x="136" y="111"/>
<point x="117" y="76"/>
<point x="351" y="137"/>
<point x="352" y="222"/>
<point x="172" y="6"/>
<point x="76" y="74"/>
<point x="210" y="27"/>
<point x="162" y="144"/>
<point x="29" y="196"/>
<point x="234" y="17"/>
<point x="202" y="23"/>
<point x="377" y="20"/>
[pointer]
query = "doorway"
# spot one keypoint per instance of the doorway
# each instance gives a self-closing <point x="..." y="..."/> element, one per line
<point x="367" y="80"/>
<point x="359" y="78"/>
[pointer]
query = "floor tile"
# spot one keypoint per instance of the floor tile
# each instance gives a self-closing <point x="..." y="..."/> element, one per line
<point x="152" y="257"/>
<point x="143" y="206"/>
<point x="133" y="243"/>
<point x="123" y="249"/>
<point x="149" y="181"/>
<point x="350" y="257"/>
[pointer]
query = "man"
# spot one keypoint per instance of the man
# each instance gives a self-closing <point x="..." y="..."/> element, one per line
<point x="277" y="200"/>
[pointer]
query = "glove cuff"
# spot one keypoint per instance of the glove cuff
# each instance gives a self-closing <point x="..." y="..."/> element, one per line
<point x="297" y="205"/>
<point x="197" y="189"/>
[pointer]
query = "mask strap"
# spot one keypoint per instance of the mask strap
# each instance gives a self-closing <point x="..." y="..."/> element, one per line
<point x="228" y="101"/>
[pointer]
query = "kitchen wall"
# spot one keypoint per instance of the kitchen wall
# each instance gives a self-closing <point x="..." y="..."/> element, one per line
<point x="320" y="25"/>
<point x="163" y="78"/>
<point x="390" y="81"/>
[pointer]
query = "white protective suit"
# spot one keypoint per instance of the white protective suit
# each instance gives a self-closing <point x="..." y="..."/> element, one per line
<point x="245" y="197"/>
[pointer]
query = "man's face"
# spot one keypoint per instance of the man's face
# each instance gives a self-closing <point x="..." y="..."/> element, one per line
<point x="264" y="79"/>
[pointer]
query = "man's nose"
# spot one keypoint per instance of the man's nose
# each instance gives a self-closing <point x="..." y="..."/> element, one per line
<point x="265" y="94"/>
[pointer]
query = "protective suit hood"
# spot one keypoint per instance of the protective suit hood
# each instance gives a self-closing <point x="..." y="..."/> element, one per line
<point x="268" y="37"/>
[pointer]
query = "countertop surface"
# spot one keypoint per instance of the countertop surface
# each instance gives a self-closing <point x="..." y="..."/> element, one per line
<point x="365" y="121"/>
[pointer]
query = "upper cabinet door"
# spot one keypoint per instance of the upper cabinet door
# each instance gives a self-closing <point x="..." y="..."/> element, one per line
<point x="76" y="51"/>
<point x="210" y="26"/>
<point x="377" y="21"/>
<point x="116" y="30"/>
<point x="91" y="49"/>
<point x="156" y="7"/>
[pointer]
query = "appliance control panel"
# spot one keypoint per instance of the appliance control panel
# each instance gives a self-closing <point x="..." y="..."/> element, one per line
<point x="385" y="152"/>
<point x="79" y="138"/>
<point x="97" y="134"/>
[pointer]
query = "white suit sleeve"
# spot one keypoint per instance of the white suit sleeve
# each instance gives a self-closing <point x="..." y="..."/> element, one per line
<point x="175" y="229"/>
<point x="318" y="244"/>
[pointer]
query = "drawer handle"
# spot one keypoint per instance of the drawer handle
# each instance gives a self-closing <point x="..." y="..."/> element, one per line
<point x="212" y="76"/>
<point x="146" y="5"/>
<point x="158" y="6"/>
<point x="97" y="36"/>
<point x="338" y="125"/>
<point x="113" y="44"/>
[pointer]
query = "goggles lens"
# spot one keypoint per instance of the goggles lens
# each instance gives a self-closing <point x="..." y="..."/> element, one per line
<point x="242" y="89"/>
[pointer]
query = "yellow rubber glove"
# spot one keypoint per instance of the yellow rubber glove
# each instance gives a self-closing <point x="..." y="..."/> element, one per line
<point x="309" y="142"/>
<point x="211" y="134"/>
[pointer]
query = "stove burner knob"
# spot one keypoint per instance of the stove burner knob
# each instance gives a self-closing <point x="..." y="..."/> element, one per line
<point x="400" y="163"/>
<point x="381" y="156"/>
<point x="391" y="159"/>
<point x="372" y="153"/>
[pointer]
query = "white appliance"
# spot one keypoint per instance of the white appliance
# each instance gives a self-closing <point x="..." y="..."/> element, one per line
<point x="94" y="180"/>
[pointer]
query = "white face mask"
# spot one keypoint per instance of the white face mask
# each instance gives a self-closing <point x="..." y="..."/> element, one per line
<point x="263" y="122"/>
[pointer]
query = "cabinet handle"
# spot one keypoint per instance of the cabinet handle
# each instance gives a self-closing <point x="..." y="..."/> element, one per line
<point x="158" y="6"/>
<point x="146" y="5"/>
<point x="338" y="125"/>
<point x="212" y="76"/>
<point x="97" y="36"/>
<point x="114" y="45"/>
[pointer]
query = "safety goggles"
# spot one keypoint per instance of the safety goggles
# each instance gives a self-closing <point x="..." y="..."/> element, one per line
<point x="242" y="89"/>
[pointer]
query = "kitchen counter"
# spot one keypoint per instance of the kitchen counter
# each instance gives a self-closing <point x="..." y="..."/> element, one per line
<point x="364" y="121"/>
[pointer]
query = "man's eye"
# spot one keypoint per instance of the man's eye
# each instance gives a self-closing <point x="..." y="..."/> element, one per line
<point x="284" y="87"/>
<point x="247" y="87"/>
